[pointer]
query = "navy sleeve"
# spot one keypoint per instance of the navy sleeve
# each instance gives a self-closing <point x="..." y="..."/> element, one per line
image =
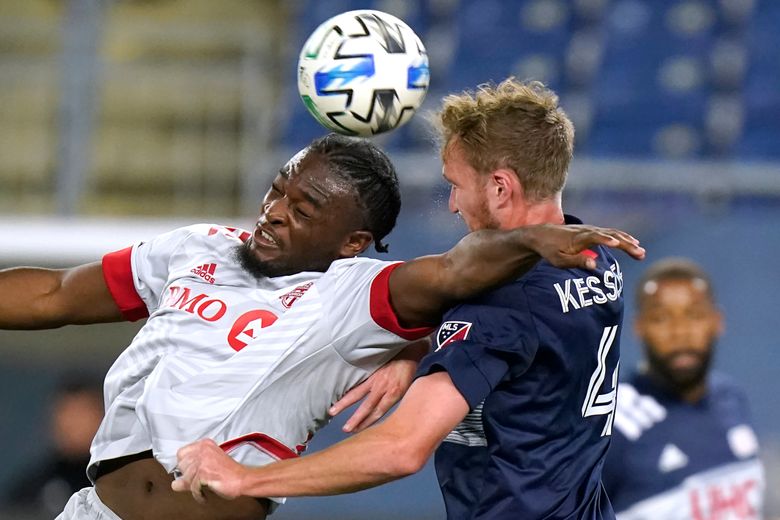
<point x="479" y="344"/>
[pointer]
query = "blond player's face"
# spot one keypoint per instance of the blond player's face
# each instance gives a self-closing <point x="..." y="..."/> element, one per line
<point x="468" y="190"/>
<point x="304" y="218"/>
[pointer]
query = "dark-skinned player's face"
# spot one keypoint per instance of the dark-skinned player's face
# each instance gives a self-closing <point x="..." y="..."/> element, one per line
<point x="679" y="325"/>
<point x="309" y="218"/>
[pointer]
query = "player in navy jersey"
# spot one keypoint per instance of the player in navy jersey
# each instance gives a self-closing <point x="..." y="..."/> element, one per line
<point x="252" y="335"/>
<point x="528" y="370"/>
<point x="683" y="447"/>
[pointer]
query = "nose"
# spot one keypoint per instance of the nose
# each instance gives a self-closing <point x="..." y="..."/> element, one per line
<point x="680" y="331"/>
<point x="452" y="206"/>
<point x="276" y="211"/>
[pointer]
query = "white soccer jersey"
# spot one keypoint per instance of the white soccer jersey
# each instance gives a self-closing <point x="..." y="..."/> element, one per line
<point x="252" y="363"/>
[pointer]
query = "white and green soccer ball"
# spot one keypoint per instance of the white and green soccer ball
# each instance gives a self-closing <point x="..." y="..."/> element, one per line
<point x="363" y="73"/>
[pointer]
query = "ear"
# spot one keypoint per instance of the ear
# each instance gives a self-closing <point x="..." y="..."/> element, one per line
<point x="504" y="186"/>
<point x="355" y="243"/>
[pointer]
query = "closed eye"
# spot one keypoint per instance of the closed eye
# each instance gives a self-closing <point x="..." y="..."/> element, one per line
<point x="302" y="213"/>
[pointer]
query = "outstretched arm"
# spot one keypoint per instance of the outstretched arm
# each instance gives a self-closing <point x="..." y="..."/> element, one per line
<point x="422" y="289"/>
<point x="396" y="448"/>
<point x="36" y="298"/>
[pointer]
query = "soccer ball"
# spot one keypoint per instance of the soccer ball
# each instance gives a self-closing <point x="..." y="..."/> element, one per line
<point x="363" y="73"/>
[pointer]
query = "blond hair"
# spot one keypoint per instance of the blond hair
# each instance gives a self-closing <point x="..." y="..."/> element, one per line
<point x="512" y="125"/>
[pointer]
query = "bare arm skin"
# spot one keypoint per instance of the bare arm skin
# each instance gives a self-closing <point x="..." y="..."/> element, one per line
<point x="423" y="288"/>
<point x="35" y="298"/>
<point x="393" y="449"/>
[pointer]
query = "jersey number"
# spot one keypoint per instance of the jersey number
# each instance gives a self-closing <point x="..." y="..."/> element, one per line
<point x="602" y="404"/>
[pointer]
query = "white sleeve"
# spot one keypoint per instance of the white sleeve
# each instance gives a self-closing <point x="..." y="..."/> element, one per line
<point x="365" y="328"/>
<point x="137" y="275"/>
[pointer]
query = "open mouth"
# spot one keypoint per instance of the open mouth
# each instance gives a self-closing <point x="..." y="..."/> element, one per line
<point x="264" y="238"/>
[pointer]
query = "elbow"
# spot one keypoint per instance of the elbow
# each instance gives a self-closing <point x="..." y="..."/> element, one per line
<point x="458" y="279"/>
<point x="407" y="462"/>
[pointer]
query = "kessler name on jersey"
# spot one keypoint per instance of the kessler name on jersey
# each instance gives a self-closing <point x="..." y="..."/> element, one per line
<point x="578" y="293"/>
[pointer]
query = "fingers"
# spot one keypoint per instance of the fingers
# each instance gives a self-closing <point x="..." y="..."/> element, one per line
<point x="189" y="458"/>
<point x="196" y="488"/>
<point x="180" y="484"/>
<point x="366" y="409"/>
<point x="379" y="411"/>
<point x="614" y="238"/>
<point x="350" y="398"/>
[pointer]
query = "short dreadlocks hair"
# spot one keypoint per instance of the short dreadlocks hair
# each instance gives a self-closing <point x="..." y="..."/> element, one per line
<point x="373" y="176"/>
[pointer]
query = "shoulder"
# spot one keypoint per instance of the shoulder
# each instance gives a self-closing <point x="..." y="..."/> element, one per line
<point x="500" y="318"/>
<point x="355" y="265"/>
<point x="728" y="400"/>
<point x="723" y="385"/>
<point x="348" y="275"/>
<point x="211" y="233"/>
<point x="202" y="238"/>
<point x="580" y="287"/>
<point x="214" y="232"/>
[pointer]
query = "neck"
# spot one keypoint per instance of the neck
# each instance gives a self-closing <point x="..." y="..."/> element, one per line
<point x="691" y="395"/>
<point x="548" y="211"/>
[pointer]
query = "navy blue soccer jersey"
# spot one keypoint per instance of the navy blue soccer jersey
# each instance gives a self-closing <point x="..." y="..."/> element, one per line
<point x="537" y="362"/>
<point x="676" y="460"/>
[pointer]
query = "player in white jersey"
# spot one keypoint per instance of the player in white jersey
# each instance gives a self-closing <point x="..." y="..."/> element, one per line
<point x="682" y="446"/>
<point x="251" y="336"/>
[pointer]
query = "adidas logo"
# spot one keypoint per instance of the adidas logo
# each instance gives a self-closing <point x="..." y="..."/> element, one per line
<point x="672" y="458"/>
<point x="205" y="271"/>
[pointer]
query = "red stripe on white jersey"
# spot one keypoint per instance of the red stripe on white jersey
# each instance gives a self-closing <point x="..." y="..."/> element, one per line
<point x="262" y="442"/>
<point x="382" y="310"/>
<point x="118" y="274"/>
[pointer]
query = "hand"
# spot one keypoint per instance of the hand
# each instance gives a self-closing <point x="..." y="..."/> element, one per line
<point x="562" y="245"/>
<point x="382" y="389"/>
<point x="203" y="464"/>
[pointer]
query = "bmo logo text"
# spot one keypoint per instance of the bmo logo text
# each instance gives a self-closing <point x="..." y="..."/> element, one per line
<point x="245" y="328"/>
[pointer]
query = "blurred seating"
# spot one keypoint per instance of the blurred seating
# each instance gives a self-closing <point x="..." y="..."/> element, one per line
<point x="28" y="95"/>
<point x="641" y="78"/>
<point x="183" y="93"/>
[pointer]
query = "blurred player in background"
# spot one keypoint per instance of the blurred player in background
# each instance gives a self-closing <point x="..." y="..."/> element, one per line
<point x="43" y="489"/>
<point x="683" y="447"/>
<point x="524" y="374"/>
<point x="251" y="336"/>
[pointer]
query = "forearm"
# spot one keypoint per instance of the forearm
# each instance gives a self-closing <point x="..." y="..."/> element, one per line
<point x="486" y="258"/>
<point x="396" y="448"/>
<point x="27" y="292"/>
<point x="35" y="298"/>
<point x="361" y="462"/>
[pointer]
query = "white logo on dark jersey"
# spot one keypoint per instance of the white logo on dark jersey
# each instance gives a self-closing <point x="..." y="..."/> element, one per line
<point x="452" y="331"/>
<point x="742" y="441"/>
<point x="578" y="293"/>
<point x="672" y="458"/>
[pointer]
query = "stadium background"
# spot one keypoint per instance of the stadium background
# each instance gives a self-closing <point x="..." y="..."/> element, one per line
<point x="120" y="119"/>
